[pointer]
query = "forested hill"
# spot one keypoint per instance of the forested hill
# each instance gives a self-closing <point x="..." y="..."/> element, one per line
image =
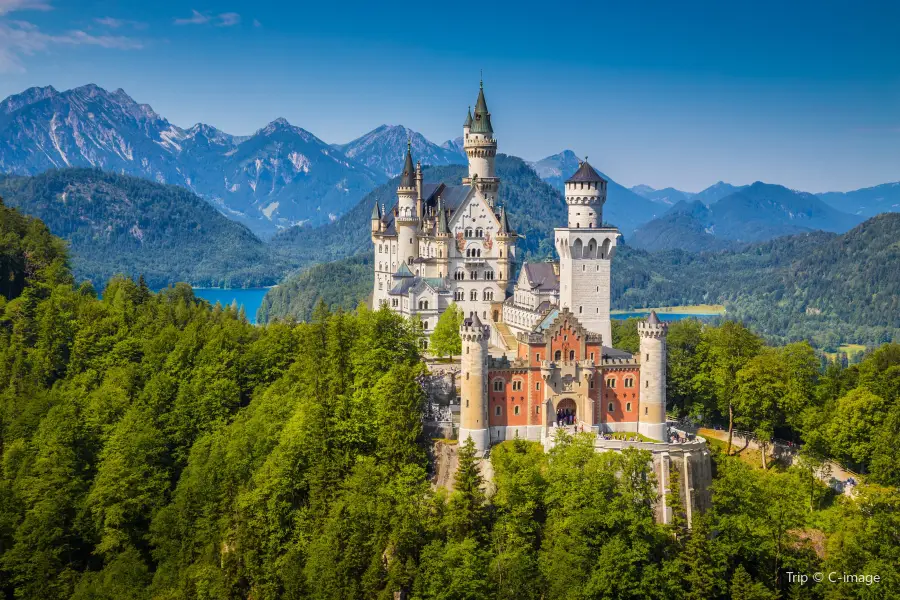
<point x="124" y="224"/>
<point x="821" y="286"/>
<point x="535" y="208"/>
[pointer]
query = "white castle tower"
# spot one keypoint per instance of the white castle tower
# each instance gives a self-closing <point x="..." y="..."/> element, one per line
<point x="585" y="249"/>
<point x="481" y="149"/>
<point x="652" y="417"/>
<point x="473" y="410"/>
<point x="407" y="219"/>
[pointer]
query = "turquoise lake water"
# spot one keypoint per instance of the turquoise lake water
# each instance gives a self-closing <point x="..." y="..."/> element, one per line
<point x="250" y="298"/>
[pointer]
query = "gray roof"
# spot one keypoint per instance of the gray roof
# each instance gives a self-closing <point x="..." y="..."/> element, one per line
<point x="408" y="176"/>
<point x="542" y="276"/>
<point x="608" y="352"/>
<point x="653" y="319"/>
<point x="403" y="271"/>
<point x="504" y="222"/>
<point x="451" y="196"/>
<point x="468" y="122"/>
<point x="376" y="212"/>
<point x="585" y="173"/>
<point x="482" y="122"/>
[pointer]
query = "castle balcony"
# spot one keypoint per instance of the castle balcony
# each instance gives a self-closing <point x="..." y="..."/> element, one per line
<point x="473" y="261"/>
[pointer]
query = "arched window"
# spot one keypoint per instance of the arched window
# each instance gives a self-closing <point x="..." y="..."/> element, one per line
<point x="468" y="232"/>
<point x="473" y="295"/>
<point x="609" y="408"/>
<point x="611" y="382"/>
<point x="424" y="324"/>
<point x="459" y="295"/>
<point x="558" y="355"/>
<point x="498" y="385"/>
<point x="516" y="410"/>
<point x="478" y="232"/>
<point x="497" y="410"/>
<point x="628" y="407"/>
<point x="571" y="355"/>
<point x="629" y="382"/>
<point x="479" y="253"/>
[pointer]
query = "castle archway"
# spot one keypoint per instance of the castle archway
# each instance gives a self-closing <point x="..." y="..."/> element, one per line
<point x="566" y="412"/>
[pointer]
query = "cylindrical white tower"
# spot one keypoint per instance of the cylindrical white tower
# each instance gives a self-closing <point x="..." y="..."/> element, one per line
<point x="652" y="417"/>
<point x="473" y="410"/>
<point x="481" y="149"/>
<point x="407" y="219"/>
<point x="585" y="196"/>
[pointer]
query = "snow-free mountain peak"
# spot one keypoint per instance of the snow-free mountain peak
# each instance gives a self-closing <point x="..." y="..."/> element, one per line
<point x="384" y="149"/>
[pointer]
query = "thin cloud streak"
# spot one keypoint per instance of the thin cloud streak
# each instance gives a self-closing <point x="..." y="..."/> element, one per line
<point x="8" y="6"/>
<point x="21" y="38"/>
<point x="228" y="19"/>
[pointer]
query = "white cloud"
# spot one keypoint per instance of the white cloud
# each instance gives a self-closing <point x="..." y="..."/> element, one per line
<point x="21" y="38"/>
<point x="256" y="23"/>
<point x="198" y="18"/>
<point x="114" y="23"/>
<point x="8" y="6"/>
<point x="229" y="19"/>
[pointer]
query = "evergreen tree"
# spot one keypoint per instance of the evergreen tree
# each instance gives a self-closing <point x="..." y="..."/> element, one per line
<point x="466" y="510"/>
<point x="445" y="340"/>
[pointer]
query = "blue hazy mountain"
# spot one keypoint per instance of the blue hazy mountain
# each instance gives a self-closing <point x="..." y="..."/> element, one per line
<point x="754" y="213"/>
<point x="624" y="208"/>
<point x="866" y="202"/>
<point x="668" y="196"/>
<point x="716" y="192"/>
<point x="280" y="176"/>
<point x="384" y="148"/>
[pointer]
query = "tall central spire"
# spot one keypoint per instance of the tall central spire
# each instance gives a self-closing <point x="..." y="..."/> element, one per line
<point x="408" y="175"/>
<point x="482" y="120"/>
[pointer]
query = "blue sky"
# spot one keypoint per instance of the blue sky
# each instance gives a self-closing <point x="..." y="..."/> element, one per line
<point x="805" y="94"/>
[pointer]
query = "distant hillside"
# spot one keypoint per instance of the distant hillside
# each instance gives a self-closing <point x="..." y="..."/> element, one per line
<point x="279" y="176"/>
<point x="340" y="284"/>
<point x="384" y="148"/>
<point x="123" y="224"/>
<point x="716" y="192"/>
<point x="754" y="213"/>
<point x="668" y="196"/>
<point x="823" y="286"/>
<point x="866" y="202"/>
<point x="624" y="208"/>
<point x="534" y="210"/>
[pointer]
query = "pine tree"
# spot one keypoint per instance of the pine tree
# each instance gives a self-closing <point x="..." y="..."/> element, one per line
<point x="466" y="510"/>
<point x="702" y="572"/>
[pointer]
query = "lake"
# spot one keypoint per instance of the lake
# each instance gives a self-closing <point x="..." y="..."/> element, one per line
<point x="250" y="298"/>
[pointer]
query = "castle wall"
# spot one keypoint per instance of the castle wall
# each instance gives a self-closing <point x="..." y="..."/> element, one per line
<point x="624" y="400"/>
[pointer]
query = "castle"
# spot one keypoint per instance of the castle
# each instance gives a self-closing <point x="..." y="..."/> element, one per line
<point x="536" y="351"/>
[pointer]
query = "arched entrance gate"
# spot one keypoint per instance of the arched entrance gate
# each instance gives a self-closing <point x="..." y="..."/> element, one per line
<point x="566" y="412"/>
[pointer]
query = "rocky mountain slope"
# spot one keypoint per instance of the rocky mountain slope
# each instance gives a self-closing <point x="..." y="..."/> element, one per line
<point x="384" y="148"/>
<point x="866" y="202"/>
<point x="280" y="176"/>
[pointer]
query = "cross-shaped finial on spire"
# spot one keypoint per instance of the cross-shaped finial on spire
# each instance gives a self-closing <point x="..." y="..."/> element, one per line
<point x="481" y="78"/>
<point x="408" y="144"/>
<point x="585" y="158"/>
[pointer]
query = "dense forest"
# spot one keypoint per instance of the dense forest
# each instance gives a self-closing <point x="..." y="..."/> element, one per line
<point x="155" y="447"/>
<point x="119" y="224"/>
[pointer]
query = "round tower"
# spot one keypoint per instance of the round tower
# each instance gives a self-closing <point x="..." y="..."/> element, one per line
<point x="481" y="149"/>
<point x="473" y="410"/>
<point x="407" y="219"/>
<point x="585" y="197"/>
<point x="652" y="417"/>
<point x="506" y="251"/>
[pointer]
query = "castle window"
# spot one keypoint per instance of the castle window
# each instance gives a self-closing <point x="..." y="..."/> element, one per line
<point x="478" y="232"/>
<point x="425" y="325"/>
<point x="537" y="385"/>
<point x="473" y="295"/>
<point x="628" y="407"/>
<point x="517" y="385"/>
<point x="592" y="356"/>
<point x="608" y="408"/>
<point x="591" y="384"/>
<point x="648" y="356"/>
<point x="516" y="410"/>
<point x="537" y="357"/>
<point x="557" y="356"/>
<point x="646" y="410"/>
<point x="473" y="275"/>
<point x="497" y="410"/>
<point x="537" y="410"/>
<point x="629" y="382"/>
<point x="459" y="295"/>
<point x="468" y="232"/>
<point x="611" y="382"/>
<point x="579" y="310"/>
<point x="498" y="385"/>
<point x="571" y="355"/>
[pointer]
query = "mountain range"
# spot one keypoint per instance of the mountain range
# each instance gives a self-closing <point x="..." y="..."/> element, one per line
<point x="753" y="213"/>
<point x="384" y="148"/>
<point x="280" y="176"/>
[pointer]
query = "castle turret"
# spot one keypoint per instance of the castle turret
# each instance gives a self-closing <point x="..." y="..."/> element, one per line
<point x="506" y="251"/>
<point x="473" y="411"/>
<point x="585" y="196"/>
<point x="585" y="250"/>
<point x="376" y="218"/>
<point x="407" y="218"/>
<point x="652" y="417"/>
<point x="481" y="148"/>
<point x="442" y="239"/>
<point x="419" y="201"/>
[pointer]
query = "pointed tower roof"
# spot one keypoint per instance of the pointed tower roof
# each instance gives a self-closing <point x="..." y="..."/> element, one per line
<point x="504" y="222"/>
<point x="653" y="319"/>
<point x="468" y="122"/>
<point x="403" y="271"/>
<point x="476" y="322"/>
<point x="482" y="122"/>
<point x="442" y="226"/>
<point x="408" y="175"/>
<point x="585" y="173"/>
<point x="376" y="212"/>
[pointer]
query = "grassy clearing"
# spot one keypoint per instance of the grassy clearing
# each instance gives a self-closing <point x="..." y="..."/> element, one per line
<point x="849" y="349"/>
